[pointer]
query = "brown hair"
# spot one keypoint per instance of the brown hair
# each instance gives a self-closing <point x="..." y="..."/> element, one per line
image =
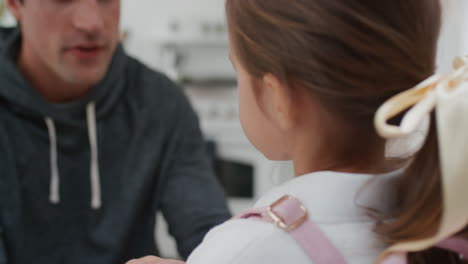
<point x="353" y="56"/>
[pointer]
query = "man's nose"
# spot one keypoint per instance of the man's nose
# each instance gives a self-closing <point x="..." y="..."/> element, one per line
<point x="87" y="17"/>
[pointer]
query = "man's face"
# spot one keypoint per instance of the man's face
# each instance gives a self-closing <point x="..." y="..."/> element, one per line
<point x="73" y="39"/>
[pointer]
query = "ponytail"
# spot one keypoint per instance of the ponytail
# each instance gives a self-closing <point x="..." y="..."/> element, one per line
<point x="420" y="198"/>
<point x="433" y="201"/>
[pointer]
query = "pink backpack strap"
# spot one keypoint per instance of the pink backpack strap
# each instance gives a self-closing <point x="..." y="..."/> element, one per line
<point x="455" y="244"/>
<point x="291" y="216"/>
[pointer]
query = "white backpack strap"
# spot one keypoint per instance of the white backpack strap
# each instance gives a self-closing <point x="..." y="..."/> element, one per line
<point x="291" y="216"/>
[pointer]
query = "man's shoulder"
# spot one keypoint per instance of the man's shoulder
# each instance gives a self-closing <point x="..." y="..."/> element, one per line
<point x="152" y="83"/>
<point x="154" y="92"/>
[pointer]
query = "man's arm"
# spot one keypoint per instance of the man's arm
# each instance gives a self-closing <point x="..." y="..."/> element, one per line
<point x="193" y="201"/>
<point x="3" y="257"/>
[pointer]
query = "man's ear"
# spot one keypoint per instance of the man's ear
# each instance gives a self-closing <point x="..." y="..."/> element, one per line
<point x="14" y="6"/>
<point x="280" y="102"/>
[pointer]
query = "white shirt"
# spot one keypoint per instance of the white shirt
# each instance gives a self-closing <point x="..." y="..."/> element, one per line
<point x="336" y="202"/>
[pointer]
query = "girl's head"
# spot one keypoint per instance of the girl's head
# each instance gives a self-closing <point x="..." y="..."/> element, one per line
<point x="320" y="69"/>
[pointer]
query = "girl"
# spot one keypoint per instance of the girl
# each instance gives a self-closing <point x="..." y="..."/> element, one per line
<point x="312" y="74"/>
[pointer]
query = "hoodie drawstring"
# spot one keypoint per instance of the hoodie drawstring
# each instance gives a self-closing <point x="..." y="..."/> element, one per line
<point x="96" y="201"/>
<point x="54" y="196"/>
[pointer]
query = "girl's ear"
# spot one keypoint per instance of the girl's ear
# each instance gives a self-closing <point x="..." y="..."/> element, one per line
<point x="278" y="102"/>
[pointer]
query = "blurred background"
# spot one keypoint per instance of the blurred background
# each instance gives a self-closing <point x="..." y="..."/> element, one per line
<point x="188" y="41"/>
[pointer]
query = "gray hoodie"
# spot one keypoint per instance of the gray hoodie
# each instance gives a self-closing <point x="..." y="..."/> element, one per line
<point x="80" y="182"/>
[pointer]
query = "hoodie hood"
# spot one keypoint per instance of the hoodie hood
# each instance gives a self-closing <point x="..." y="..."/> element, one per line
<point x="17" y="92"/>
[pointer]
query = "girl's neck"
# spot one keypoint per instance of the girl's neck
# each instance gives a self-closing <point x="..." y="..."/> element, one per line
<point x="368" y="157"/>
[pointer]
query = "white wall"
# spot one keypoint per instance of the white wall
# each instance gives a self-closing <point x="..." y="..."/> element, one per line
<point x="147" y="20"/>
<point x="141" y="16"/>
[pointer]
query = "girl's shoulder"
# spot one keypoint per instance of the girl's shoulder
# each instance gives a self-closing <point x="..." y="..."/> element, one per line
<point x="247" y="241"/>
<point x="335" y="202"/>
<point x="250" y="241"/>
<point x="331" y="205"/>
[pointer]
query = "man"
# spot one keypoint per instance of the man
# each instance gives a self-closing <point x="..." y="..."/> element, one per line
<point x="93" y="143"/>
